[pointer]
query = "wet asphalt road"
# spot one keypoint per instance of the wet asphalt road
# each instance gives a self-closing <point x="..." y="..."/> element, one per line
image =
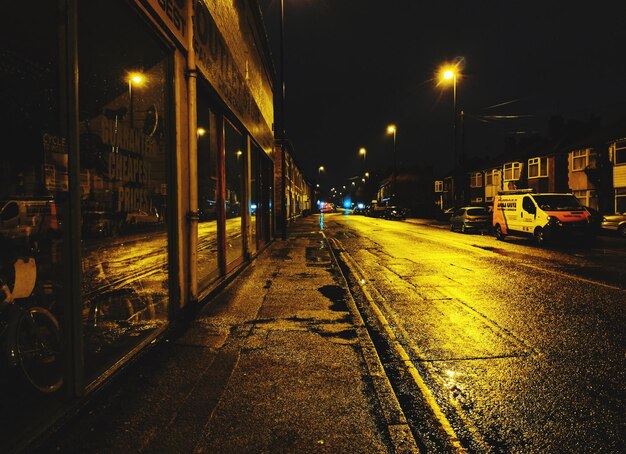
<point x="522" y="347"/>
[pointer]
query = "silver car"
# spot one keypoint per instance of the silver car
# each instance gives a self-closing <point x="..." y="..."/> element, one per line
<point x="615" y="222"/>
<point x="471" y="219"/>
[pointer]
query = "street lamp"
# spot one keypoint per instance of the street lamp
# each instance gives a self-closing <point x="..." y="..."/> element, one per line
<point x="281" y="123"/>
<point x="363" y="152"/>
<point x="391" y="129"/>
<point x="137" y="79"/>
<point x="320" y="170"/>
<point x="450" y="73"/>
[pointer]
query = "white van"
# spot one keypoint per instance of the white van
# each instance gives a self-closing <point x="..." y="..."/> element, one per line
<point x="27" y="217"/>
<point x="541" y="216"/>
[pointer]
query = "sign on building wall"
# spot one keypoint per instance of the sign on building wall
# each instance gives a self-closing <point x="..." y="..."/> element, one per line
<point x="215" y="61"/>
<point x="172" y="14"/>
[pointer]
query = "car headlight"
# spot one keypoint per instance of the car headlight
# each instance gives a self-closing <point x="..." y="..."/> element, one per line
<point x="554" y="221"/>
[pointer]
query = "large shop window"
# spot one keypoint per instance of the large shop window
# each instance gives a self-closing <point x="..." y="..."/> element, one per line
<point x="208" y="265"/>
<point x="33" y="215"/>
<point x="123" y="157"/>
<point x="255" y="191"/>
<point x="235" y="160"/>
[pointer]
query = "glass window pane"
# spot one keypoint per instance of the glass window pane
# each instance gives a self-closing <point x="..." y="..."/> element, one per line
<point x="33" y="213"/>
<point x="235" y="158"/>
<point x="208" y="267"/>
<point x="124" y="157"/>
<point x="256" y="155"/>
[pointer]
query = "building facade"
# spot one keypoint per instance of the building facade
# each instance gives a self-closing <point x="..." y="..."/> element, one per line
<point x="137" y="176"/>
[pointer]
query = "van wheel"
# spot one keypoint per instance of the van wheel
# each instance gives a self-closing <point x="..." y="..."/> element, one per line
<point x="540" y="237"/>
<point x="622" y="230"/>
<point x="498" y="232"/>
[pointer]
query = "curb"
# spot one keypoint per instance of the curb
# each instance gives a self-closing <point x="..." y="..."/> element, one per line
<point x="400" y="434"/>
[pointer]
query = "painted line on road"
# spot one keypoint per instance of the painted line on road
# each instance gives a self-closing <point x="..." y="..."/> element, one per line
<point x="476" y="435"/>
<point x="401" y="352"/>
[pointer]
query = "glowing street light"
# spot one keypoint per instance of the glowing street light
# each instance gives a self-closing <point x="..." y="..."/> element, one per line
<point x="320" y="170"/>
<point x="450" y="73"/>
<point x="137" y="79"/>
<point x="363" y="152"/>
<point x="392" y="129"/>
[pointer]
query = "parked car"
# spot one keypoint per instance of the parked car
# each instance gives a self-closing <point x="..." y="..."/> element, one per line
<point x="445" y="215"/>
<point x="615" y="223"/>
<point x="143" y="217"/>
<point x="595" y="220"/>
<point x="471" y="219"/>
<point x="395" y="213"/>
<point x="101" y="224"/>
<point x="375" y="210"/>
<point x="359" y="208"/>
<point x="327" y="207"/>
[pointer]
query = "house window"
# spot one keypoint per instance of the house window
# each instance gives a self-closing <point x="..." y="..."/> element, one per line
<point x="439" y="186"/>
<point x="492" y="178"/>
<point x="580" y="160"/>
<point x="582" y="197"/>
<point x="512" y="171"/>
<point x="476" y="200"/>
<point x="538" y="167"/>
<point x="620" y="153"/>
<point x="620" y="200"/>
<point x="476" y="180"/>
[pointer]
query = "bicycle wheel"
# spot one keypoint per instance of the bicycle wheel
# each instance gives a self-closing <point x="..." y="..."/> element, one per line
<point x="39" y="350"/>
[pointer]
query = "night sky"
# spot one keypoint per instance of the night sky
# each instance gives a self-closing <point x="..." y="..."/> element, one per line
<point x="354" y="66"/>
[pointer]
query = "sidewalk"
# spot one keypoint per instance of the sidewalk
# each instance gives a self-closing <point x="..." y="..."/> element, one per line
<point x="278" y="362"/>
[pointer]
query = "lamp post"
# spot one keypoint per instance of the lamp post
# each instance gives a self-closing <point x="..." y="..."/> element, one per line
<point x="134" y="78"/>
<point x="391" y="129"/>
<point x="281" y="124"/>
<point x="450" y="73"/>
<point x="363" y="152"/>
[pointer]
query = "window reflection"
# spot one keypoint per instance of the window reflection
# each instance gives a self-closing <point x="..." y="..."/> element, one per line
<point x="235" y="159"/>
<point x="33" y="216"/>
<point x="207" y="248"/>
<point x="123" y="183"/>
<point x="255" y="186"/>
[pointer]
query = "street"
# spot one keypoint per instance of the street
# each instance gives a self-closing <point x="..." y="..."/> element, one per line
<point x="517" y="348"/>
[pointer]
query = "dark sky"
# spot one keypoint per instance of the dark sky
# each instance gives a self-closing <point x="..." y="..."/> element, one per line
<point x="355" y="66"/>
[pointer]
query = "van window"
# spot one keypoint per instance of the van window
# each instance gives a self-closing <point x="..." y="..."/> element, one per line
<point x="528" y="205"/>
<point x="10" y="211"/>
<point x="557" y="202"/>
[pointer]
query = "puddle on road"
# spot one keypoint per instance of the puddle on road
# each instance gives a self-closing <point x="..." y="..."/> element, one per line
<point x="336" y="295"/>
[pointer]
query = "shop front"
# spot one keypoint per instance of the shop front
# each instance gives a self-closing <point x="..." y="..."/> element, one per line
<point x="107" y="230"/>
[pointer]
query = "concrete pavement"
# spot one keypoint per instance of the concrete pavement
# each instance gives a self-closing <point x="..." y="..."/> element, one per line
<point x="279" y="361"/>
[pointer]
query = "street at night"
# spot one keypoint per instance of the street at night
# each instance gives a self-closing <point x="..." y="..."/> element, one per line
<point x="293" y="226"/>
<point x="523" y="346"/>
<point x="469" y="344"/>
